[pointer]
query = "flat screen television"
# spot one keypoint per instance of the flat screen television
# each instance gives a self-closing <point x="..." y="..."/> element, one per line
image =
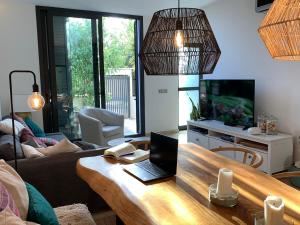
<point x="230" y="101"/>
<point x="263" y="5"/>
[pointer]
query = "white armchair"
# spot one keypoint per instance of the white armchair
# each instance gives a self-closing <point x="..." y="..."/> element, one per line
<point x="99" y="126"/>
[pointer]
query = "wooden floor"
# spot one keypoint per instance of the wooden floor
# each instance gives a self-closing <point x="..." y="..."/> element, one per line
<point x="105" y="218"/>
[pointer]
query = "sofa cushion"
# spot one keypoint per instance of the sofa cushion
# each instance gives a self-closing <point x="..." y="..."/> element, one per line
<point x="26" y="134"/>
<point x="16" y="187"/>
<point x="63" y="146"/>
<point x="111" y="130"/>
<point x="48" y="141"/>
<point x="74" y="214"/>
<point x="40" y="211"/>
<point x="35" y="142"/>
<point x="7" y="148"/>
<point x="36" y="130"/>
<point x="10" y="218"/>
<point x="6" y="200"/>
<point x="6" y="126"/>
<point x="31" y="152"/>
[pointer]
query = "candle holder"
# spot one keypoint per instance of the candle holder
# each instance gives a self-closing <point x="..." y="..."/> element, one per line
<point x="259" y="219"/>
<point x="228" y="201"/>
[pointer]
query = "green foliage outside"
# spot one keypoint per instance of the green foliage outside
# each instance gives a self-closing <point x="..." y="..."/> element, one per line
<point x="118" y="44"/>
<point x="195" y="114"/>
<point x="81" y="61"/>
<point x="118" y="53"/>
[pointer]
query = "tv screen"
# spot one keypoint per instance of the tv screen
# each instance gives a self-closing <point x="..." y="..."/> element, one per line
<point x="230" y="101"/>
<point x="262" y="5"/>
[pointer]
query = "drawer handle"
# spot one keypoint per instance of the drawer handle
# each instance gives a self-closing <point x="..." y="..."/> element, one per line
<point x="197" y="139"/>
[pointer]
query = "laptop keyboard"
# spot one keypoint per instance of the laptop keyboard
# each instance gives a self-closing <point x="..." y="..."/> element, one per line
<point x="149" y="167"/>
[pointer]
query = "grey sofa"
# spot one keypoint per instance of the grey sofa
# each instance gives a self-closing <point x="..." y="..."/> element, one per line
<point x="55" y="177"/>
<point x="98" y="126"/>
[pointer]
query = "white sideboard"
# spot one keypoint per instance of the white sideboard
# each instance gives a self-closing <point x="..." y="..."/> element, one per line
<point x="276" y="150"/>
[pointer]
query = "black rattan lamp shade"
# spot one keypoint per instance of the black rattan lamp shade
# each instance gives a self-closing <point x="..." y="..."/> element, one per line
<point x="200" y="53"/>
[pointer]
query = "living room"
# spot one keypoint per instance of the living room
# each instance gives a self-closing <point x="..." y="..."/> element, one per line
<point x="155" y="106"/>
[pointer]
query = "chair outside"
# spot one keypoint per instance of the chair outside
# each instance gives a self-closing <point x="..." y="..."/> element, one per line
<point x="99" y="126"/>
<point x="256" y="159"/>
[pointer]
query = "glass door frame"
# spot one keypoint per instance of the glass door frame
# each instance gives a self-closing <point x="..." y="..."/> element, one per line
<point x="189" y="89"/>
<point x="44" y="17"/>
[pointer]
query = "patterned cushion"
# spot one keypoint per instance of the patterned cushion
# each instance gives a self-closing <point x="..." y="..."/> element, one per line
<point x="26" y="134"/>
<point x="6" y="200"/>
<point x="48" y="141"/>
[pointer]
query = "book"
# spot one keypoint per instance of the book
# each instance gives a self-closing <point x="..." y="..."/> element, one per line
<point x="126" y="152"/>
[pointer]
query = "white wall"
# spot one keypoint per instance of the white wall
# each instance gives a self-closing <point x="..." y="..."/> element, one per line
<point x="19" y="50"/>
<point x="244" y="56"/>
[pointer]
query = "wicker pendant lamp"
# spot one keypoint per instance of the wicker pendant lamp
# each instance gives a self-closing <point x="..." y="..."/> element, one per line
<point x="280" y="30"/>
<point x="179" y="41"/>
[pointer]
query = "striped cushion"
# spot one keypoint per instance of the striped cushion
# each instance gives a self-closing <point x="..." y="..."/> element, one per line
<point x="6" y="200"/>
<point x="47" y="141"/>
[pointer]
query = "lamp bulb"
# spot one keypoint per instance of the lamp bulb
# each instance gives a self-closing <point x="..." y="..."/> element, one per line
<point x="179" y="39"/>
<point x="36" y="101"/>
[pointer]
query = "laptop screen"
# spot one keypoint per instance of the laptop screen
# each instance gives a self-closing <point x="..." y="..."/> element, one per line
<point x="163" y="152"/>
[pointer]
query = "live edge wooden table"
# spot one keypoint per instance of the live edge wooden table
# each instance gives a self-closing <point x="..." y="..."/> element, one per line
<point x="183" y="199"/>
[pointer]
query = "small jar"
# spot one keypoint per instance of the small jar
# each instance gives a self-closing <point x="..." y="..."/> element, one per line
<point x="262" y="123"/>
<point x="271" y="126"/>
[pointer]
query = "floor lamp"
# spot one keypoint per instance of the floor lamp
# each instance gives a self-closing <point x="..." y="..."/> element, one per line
<point x="35" y="101"/>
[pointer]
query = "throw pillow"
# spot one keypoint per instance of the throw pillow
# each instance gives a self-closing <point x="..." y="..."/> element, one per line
<point x="6" y="200"/>
<point x="20" y="119"/>
<point x="9" y="218"/>
<point x="6" y="126"/>
<point x="16" y="187"/>
<point x="35" y="142"/>
<point x="48" y="141"/>
<point x="40" y="211"/>
<point x="7" y="148"/>
<point x="31" y="152"/>
<point x="63" y="146"/>
<point x="26" y="134"/>
<point x="36" y="130"/>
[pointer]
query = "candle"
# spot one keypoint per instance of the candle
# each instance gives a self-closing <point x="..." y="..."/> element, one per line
<point x="224" y="186"/>
<point x="274" y="210"/>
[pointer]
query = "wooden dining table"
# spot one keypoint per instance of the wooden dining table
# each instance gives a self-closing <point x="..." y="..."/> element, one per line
<point x="183" y="199"/>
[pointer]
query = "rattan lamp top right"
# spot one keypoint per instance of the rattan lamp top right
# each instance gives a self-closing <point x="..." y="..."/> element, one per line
<point x="280" y="30"/>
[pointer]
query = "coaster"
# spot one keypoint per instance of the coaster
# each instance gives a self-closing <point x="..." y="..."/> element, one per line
<point x="260" y="220"/>
<point x="228" y="201"/>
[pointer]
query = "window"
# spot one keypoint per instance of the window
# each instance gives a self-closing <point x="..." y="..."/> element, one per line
<point x="188" y="93"/>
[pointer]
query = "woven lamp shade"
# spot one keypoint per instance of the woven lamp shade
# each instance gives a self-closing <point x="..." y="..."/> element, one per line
<point x="280" y="30"/>
<point x="199" y="54"/>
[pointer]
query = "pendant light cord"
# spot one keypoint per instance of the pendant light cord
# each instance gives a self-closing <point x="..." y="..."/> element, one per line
<point x="178" y="9"/>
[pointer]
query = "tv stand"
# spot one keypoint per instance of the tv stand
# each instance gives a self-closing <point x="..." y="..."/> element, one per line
<point x="276" y="150"/>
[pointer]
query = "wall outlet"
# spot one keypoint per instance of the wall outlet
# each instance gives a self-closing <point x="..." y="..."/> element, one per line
<point x="162" y="91"/>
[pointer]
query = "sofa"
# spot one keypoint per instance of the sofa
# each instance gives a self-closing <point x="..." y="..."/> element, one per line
<point x="55" y="177"/>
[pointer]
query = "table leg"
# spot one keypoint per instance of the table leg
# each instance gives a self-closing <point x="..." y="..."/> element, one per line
<point x="119" y="221"/>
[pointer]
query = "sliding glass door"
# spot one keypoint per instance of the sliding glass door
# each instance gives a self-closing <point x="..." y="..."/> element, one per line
<point x="119" y="69"/>
<point x="90" y="59"/>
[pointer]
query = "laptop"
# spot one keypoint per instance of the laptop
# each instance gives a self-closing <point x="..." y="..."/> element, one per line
<point x="162" y="162"/>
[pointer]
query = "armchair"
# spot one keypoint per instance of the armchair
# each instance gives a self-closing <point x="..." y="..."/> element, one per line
<point x="99" y="126"/>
